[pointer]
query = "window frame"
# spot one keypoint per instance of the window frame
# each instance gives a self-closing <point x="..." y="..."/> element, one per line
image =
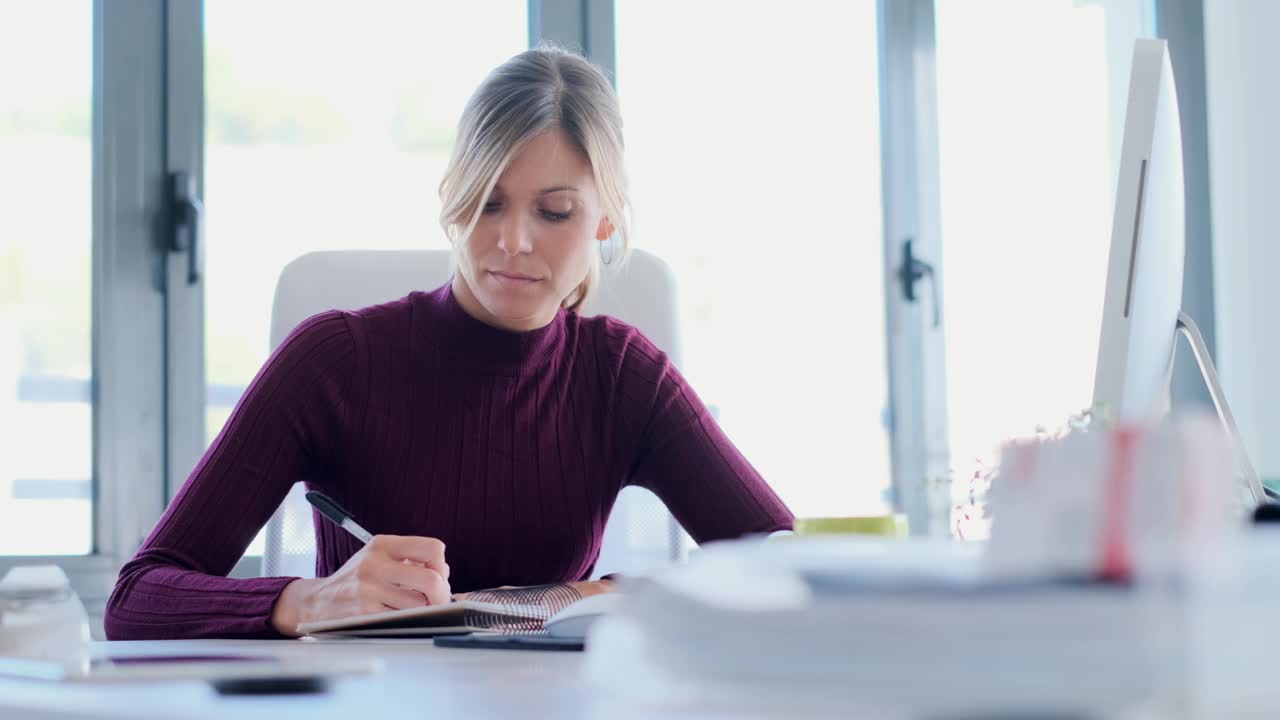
<point x="917" y="362"/>
<point x="128" y="373"/>
<point x="148" y="389"/>
<point x="916" y="365"/>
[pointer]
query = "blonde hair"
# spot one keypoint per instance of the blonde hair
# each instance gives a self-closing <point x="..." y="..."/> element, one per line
<point x="538" y="90"/>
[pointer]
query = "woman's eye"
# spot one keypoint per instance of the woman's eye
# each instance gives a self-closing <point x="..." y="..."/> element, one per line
<point x="491" y="207"/>
<point x="554" y="216"/>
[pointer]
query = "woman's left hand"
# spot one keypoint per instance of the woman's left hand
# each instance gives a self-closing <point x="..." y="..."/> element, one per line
<point x="585" y="588"/>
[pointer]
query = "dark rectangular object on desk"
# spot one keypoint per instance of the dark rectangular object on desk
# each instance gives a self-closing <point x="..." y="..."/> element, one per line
<point x="496" y="641"/>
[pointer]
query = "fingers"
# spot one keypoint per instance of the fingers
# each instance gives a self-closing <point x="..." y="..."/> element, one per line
<point x="592" y="587"/>
<point x="399" y="598"/>
<point x="425" y="581"/>
<point x="422" y="550"/>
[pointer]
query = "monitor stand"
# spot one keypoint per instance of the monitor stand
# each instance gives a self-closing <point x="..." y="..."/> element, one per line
<point x="1187" y="327"/>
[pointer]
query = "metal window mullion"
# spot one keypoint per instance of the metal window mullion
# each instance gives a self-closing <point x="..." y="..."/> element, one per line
<point x="557" y="21"/>
<point x="586" y="26"/>
<point x="184" y="322"/>
<point x="127" y="391"/>
<point x="910" y="185"/>
<point x="598" y="26"/>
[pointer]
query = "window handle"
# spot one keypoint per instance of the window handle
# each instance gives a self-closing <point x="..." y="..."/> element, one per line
<point x="186" y="221"/>
<point x="914" y="270"/>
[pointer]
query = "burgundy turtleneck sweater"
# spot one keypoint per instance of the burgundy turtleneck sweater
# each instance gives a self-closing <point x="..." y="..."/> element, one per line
<point x="421" y="420"/>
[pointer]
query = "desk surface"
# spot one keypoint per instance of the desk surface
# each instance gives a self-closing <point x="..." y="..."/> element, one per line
<point x="418" y="680"/>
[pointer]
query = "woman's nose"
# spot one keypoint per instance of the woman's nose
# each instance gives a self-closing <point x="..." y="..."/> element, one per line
<point x="515" y="237"/>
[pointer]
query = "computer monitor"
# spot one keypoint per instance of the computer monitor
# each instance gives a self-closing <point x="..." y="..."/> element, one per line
<point x="1142" y="311"/>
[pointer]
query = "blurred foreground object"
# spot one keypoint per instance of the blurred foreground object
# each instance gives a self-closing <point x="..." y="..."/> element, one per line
<point x="42" y="618"/>
<point x="1116" y="581"/>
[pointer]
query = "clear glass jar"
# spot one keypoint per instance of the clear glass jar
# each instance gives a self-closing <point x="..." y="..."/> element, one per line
<point x="41" y="617"/>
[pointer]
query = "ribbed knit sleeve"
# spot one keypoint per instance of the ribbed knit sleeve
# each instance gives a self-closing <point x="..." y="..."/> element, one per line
<point x="681" y="454"/>
<point x="286" y="427"/>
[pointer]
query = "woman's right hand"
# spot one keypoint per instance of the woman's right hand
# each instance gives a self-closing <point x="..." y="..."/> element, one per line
<point x="391" y="572"/>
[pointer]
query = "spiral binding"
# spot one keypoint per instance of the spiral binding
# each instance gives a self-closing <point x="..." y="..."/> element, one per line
<point x="530" y="607"/>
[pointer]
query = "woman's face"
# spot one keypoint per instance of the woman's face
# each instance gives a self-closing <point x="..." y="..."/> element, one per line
<point x="535" y="239"/>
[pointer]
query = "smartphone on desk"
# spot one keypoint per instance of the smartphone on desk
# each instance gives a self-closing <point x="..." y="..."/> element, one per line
<point x="499" y="641"/>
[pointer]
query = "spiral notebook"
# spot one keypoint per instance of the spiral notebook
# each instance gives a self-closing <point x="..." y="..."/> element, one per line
<point x="501" y="610"/>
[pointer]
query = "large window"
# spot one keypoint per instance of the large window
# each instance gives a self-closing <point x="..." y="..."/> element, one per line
<point x="753" y="147"/>
<point x="334" y="138"/>
<point x="328" y="128"/>
<point x="1031" y="108"/>
<point x="755" y="155"/>
<point x="46" y="437"/>
<point x="82" y="379"/>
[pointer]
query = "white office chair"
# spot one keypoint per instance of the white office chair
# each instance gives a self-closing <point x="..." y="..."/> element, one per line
<point x="641" y="534"/>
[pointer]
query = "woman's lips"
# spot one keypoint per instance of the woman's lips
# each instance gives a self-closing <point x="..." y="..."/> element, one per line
<point x="511" y="279"/>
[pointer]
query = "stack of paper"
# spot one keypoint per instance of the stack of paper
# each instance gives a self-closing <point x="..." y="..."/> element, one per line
<point x="911" y="626"/>
<point x="1079" y="604"/>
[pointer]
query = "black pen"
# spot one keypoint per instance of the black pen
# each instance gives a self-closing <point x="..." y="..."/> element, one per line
<point x="338" y="515"/>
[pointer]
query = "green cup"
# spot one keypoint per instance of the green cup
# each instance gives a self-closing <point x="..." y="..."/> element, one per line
<point x="894" y="525"/>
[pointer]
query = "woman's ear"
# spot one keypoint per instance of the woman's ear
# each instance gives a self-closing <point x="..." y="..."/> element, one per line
<point x="605" y="230"/>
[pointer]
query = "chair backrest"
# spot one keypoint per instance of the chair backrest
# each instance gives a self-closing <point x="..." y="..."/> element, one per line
<point x="641" y="534"/>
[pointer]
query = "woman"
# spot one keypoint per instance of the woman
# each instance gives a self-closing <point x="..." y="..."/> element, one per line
<point x="483" y="429"/>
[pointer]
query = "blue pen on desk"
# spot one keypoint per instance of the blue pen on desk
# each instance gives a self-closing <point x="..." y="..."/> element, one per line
<point x="343" y="519"/>
<point x="339" y="516"/>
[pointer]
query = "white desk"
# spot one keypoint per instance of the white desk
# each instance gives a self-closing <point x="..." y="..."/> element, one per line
<point x="419" y="681"/>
